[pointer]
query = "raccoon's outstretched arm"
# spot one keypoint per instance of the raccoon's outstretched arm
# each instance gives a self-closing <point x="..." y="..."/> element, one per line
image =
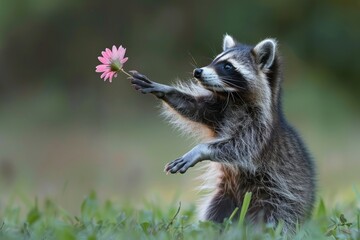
<point x="222" y="151"/>
<point x="191" y="107"/>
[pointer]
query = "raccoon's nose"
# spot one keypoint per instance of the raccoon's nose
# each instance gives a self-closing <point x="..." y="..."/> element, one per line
<point x="197" y="72"/>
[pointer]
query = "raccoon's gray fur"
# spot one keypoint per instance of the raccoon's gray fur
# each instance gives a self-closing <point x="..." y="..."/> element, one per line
<point x="236" y="101"/>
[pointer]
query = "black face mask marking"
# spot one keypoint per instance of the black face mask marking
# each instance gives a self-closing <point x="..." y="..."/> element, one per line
<point x="230" y="76"/>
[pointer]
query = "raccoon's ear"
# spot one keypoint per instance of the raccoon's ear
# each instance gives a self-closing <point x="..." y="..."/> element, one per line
<point x="228" y="42"/>
<point x="265" y="52"/>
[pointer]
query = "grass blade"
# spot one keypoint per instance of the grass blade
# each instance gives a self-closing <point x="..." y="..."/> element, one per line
<point x="244" y="208"/>
<point x="321" y="210"/>
<point x="173" y="218"/>
<point x="229" y="221"/>
<point x="233" y="214"/>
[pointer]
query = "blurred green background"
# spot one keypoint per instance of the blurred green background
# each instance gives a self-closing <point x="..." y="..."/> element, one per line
<point x="64" y="132"/>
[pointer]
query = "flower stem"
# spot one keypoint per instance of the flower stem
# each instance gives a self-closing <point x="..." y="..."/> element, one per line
<point x="125" y="72"/>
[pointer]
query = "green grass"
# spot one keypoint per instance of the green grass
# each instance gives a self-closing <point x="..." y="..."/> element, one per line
<point x="109" y="220"/>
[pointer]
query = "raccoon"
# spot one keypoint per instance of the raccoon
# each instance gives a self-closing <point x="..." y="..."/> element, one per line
<point x="235" y="105"/>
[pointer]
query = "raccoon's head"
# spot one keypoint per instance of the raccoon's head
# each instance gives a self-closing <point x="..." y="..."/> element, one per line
<point x="249" y="71"/>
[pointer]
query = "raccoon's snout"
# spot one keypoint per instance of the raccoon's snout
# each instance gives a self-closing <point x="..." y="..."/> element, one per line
<point x="197" y="72"/>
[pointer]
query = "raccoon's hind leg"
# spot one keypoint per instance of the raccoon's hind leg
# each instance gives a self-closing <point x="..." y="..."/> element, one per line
<point x="219" y="208"/>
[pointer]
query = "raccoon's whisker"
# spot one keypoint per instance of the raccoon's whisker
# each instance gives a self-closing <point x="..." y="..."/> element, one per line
<point x="230" y="84"/>
<point x="190" y="73"/>
<point x="193" y="59"/>
<point x="227" y="100"/>
<point x="239" y="96"/>
<point x="214" y="52"/>
<point x="232" y="96"/>
<point x="226" y="81"/>
<point x="193" y="65"/>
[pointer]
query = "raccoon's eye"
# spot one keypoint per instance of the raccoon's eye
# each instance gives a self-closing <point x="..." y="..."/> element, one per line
<point x="228" y="67"/>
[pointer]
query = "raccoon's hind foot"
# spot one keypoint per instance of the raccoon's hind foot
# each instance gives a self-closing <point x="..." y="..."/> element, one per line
<point x="142" y="84"/>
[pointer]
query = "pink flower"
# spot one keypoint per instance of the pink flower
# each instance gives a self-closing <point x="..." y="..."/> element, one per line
<point x="112" y="62"/>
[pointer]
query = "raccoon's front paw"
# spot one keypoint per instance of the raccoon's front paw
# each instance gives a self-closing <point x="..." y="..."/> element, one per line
<point x="199" y="153"/>
<point x="179" y="165"/>
<point x="141" y="83"/>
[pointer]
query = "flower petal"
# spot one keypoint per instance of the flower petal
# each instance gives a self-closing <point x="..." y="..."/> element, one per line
<point x="122" y="61"/>
<point x="114" y="49"/>
<point x="107" y="75"/>
<point x="104" y="60"/>
<point x="102" y="68"/>
<point x="103" y="74"/>
<point x="115" y="54"/>
<point x="105" y="55"/>
<point x="122" y="52"/>
<point x="111" y="76"/>
<point x="108" y="51"/>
